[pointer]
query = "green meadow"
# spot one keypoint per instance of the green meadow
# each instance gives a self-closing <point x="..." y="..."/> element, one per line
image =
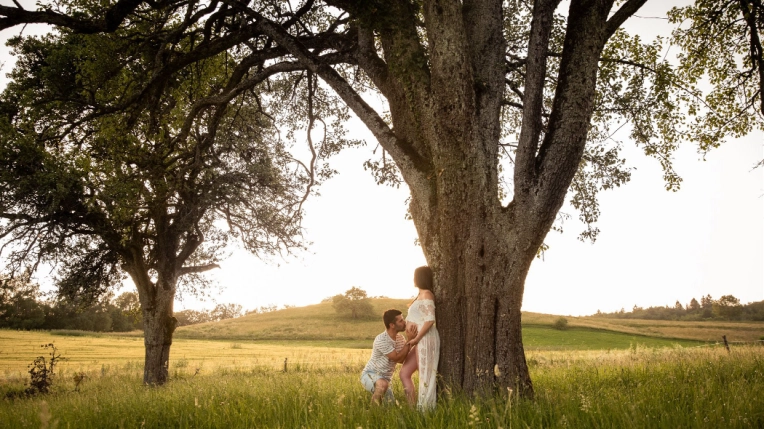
<point x="537" y="337"/>
<point x="638" y="387"/>
<point x="231" y="374"/>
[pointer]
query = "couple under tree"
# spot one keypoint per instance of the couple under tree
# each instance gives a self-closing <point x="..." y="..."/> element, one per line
<point x="420" y="352"/>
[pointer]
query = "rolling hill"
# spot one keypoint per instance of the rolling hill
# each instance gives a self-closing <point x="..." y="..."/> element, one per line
<point x="319" y="324"/>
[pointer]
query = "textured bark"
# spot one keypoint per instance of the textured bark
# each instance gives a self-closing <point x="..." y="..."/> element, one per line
<point x="158" y="327"/>
<point x="157" y="298"/>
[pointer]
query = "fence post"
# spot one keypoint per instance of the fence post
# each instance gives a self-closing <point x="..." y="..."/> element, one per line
<point x="285" y="363"/>
<point x="724" y="337"/>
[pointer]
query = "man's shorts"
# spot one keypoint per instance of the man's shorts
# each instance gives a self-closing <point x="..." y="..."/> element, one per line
<point x="369" y="378"/>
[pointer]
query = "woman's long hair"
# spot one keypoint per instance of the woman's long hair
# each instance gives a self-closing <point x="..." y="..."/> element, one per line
<point x="423" y="278"/>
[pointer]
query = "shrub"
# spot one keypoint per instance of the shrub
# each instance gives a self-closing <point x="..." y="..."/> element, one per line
<point x="40" y="374"/>
<point x="561" y="323"/>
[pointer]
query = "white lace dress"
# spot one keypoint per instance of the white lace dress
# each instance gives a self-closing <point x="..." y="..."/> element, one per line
<point x="428" y="350"/>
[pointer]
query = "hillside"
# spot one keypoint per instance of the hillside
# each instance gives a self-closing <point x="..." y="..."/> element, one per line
<point x="319" y="322"/>
<point x="310" y="323"/>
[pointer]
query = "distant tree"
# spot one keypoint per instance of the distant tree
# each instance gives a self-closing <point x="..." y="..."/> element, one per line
<point x="263" y="309"/>
<point x="727" y="307"/>
<point x="226" y="311"/>
<point x="754" y="311"/>
<point x="129" y="305"/>
<point x="191" y="317"/>
<point x="678" y="305"/>
<point x="706" y="301"/>
<point x="85" y="315"/>
<point x="706" y="305"/>
<point x="354" y="304"/>
<point x="19" y="306"/>
<point x="693" y="306"/>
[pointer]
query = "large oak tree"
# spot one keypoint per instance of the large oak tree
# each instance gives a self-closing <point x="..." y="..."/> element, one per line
<point x="477" y="94"/>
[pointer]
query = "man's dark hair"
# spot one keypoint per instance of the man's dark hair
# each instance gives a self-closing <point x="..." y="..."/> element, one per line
<point x="389" y="316"/>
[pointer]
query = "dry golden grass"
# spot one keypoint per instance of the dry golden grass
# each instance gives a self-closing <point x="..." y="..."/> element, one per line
<point x="703" y="331"/>
<point x="108" y="353"/>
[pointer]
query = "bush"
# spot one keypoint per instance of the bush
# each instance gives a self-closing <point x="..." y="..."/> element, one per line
<point x="41" y="373"/>
<point x="561" y="323"/>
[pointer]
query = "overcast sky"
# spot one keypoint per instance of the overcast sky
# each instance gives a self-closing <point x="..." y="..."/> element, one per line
<point x="655" y="247"/>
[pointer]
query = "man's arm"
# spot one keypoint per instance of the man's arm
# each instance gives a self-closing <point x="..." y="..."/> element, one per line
<point x="399" y="356"/>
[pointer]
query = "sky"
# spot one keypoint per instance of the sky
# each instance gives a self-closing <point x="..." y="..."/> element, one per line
<point x="655" y="247"/>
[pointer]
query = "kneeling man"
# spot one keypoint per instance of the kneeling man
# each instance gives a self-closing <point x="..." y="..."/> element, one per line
<point x="389" y="348"/>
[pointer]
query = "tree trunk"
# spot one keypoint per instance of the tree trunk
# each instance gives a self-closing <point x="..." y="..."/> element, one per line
<point x="158" y="327"/>
<point x="159" y="324"/>
<point x="480" y="262"/>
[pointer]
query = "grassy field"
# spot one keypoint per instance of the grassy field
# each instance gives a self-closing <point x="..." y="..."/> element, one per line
<point x="112" y="352"/>
<point x="639" y="387"/>
<point x="539" y="337"/>
<point x="229" y="374"/>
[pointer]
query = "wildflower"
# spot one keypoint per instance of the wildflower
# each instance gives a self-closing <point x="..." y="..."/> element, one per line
<point x="585" y="405"/>
<point x="474" y="419"/>
<point x="45" y="416"/>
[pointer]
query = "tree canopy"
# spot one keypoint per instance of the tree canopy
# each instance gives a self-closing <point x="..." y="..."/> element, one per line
<point x="354" y="304"/>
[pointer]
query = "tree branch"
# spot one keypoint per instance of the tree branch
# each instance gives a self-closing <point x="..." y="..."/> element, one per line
<point x="625" y="12"/>
<point x="412" y="165"/>
<point x="533" y="99"/>
<point x="113" y="17"/>
<point x="751" y="10"/>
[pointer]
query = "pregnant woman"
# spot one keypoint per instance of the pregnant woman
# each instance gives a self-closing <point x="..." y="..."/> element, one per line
<point x="421" y="332"/>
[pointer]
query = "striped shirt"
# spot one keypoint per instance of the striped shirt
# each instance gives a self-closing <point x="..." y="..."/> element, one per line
<point x="383" y="346"/>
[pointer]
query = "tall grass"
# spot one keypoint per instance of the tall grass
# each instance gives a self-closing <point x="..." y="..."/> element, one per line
<point x="700" y="387"/>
